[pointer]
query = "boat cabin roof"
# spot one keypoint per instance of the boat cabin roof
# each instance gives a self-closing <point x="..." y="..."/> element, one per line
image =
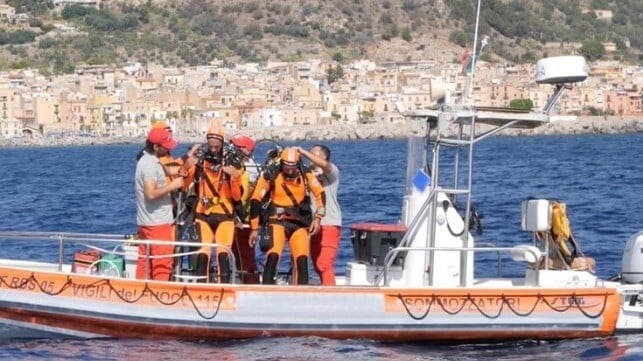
<point x="512" y="118"/>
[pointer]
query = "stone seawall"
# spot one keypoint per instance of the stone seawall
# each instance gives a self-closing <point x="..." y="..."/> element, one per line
<point x="585" y="125"/>
<point x="588" y="125"/>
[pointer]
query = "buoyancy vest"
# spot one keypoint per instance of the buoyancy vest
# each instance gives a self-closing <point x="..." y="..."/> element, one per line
<point x="217" y="192"/>
<point x="288" y="199"/>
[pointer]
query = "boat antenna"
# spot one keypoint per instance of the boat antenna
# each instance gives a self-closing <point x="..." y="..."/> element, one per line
<point x="475" y="54"/>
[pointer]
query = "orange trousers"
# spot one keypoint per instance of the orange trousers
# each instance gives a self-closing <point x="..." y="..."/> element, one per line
<point x="323" y="251"/>
<point x="158" y="269"/>
<point x="298" y="243"/>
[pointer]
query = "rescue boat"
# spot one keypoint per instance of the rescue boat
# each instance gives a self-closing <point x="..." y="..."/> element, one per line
<point x="412" y="281"/>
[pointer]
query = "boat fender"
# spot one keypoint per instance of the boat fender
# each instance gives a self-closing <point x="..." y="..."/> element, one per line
<point x="525" y="253"/>
<point x="445" y="207"/>
<point x="475" y="219"/>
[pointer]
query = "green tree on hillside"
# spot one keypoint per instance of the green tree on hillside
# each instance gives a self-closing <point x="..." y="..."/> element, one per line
<point x="338" y="56"/>
<point x="75" y="11"/>
<point x="406" y="34"/>
<point x="526" y="104"/>
<point x="17" y="37"/>
<point x="334" y="73"/>
<point x="34" y="7"/>
<point x="153" y="31"/>
<point x="592" y="49"/>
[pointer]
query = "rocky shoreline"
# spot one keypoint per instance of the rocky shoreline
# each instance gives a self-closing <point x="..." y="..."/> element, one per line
<point x="585" y="125"/>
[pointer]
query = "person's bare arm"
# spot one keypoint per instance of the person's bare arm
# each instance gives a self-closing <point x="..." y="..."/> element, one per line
<point x="318" y="161"/>
<point x="152" y="191"/>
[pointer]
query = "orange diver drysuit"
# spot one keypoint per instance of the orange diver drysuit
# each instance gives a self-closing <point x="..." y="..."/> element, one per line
<point x="217" y="192"/>
<point x="288" y="215"/>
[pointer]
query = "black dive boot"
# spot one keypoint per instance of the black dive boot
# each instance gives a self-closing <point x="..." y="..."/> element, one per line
<point x="270" y="269"/>
<point x="302" y="270"/>
<point x="224" y="268"/>
<point x="201" y="268"/>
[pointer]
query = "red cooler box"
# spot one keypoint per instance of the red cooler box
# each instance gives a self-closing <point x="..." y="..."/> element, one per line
<point x="83" y="260"/>
<point x="372" y="241"/>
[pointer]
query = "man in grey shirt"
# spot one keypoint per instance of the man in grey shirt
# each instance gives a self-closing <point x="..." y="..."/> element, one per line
<point x="154" y="205"/>
<point x="324" y="244"/>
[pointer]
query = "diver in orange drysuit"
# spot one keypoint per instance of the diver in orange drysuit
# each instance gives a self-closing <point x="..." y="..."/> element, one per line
<point x="218" y="187"/>
<point x="288" y="215"/>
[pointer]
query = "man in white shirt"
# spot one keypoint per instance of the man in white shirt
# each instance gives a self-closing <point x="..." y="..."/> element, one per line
<point x="324" y="244"/>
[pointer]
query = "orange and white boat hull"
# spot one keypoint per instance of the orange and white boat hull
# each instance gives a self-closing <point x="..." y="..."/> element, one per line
<point x="90" y="306"/>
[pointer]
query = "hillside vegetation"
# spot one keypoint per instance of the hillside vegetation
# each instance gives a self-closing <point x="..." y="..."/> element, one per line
<point x="192" y="32"/>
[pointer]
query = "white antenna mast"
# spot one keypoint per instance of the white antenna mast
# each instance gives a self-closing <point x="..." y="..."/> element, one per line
<point x="466" y="95"/>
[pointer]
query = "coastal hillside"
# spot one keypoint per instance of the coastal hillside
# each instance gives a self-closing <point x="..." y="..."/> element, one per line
<point x="55" y="38"/>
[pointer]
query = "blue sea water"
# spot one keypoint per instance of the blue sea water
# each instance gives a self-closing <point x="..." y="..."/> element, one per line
<point x="600" y="177"/>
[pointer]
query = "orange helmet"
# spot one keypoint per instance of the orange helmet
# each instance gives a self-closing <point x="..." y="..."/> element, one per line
<point x="215" y="132"/>
<point x="290" y="155"/>
<point x="161" y="125"/>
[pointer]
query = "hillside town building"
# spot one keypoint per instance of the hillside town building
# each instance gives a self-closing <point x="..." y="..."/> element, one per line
<point x="125" y="101"/>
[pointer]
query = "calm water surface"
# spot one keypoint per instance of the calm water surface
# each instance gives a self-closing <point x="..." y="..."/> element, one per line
<point x="90" y="189"/>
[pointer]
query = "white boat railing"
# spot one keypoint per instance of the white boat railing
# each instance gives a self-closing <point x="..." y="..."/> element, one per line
<point x="392" y="254"/>
<point x="65" y="239"/>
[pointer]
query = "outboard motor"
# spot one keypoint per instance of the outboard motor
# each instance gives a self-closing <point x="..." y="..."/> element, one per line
<point x="632" y="265"/>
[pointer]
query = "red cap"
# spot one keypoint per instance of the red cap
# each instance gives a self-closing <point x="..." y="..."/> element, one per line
<point x="243" y="141"/>
<point x="162" y="137"/>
